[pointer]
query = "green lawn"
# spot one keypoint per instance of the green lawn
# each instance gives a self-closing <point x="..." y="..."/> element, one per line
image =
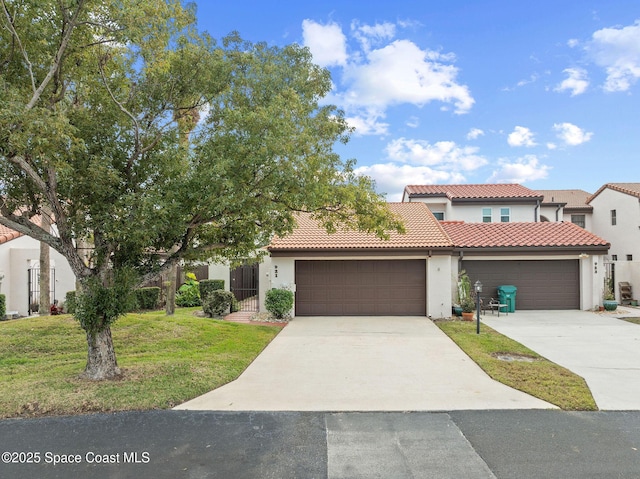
<point x="539" y="377"/>
<point x="165" y="361"/>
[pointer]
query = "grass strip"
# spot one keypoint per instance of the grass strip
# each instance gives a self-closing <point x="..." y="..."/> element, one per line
<point x="529" y="372"/>
<point x="166" y="360"/>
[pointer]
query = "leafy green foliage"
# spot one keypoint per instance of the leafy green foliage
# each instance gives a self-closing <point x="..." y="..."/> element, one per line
<point x="217" y="302"/>
<point x="279" y="302"/>
<point x="147" y="298"/>
<point x="70" y="302"/>
<point x="3" y="306"/>
<point x="101" y="125"/>
<point x="101" y="302"/>
<point x="209" y="285"/>
<point x="188" y="294"/>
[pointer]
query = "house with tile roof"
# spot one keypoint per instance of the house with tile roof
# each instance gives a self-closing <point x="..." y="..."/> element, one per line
<point x="566" y="205"/>
<point x="616" y="216"/>
<point x="554" y="265"/>
<point x="480" y="203"/>
<point x="19" y="262"/>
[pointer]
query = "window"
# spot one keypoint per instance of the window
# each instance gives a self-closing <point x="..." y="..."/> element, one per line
<point x="629" y="257"/>
<point x="578" y="220"/>
<point x="614" y="257"/>
<point x="439" y="215"/>
<point x="613" y="217"/>
<point x="505" y="215"/>
<point x="486" y="215"/>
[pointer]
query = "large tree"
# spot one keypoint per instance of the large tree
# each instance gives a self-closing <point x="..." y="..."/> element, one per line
<point x="145" y="139"/>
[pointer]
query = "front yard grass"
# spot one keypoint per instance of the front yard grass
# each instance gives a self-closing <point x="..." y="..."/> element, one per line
<point x="538" y="377"/>
<point x="165" y="361"/>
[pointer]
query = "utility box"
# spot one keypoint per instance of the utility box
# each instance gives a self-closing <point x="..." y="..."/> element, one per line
<point x="507" y="295"/>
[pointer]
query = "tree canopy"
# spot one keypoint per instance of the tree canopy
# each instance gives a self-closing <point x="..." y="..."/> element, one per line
<point x="152" y="143"/>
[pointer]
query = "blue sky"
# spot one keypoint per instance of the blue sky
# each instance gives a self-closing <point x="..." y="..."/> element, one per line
<point x="542" y="93"/>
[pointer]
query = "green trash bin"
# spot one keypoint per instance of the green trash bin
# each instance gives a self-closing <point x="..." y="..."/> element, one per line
<point x="507" y="295"/>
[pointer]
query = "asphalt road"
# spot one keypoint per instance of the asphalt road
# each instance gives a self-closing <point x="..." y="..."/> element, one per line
<point x="197" y="444"/>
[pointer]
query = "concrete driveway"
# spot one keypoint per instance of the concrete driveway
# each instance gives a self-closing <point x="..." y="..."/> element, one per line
<point x="601" y="348"/>
<point x="363" y="364"/>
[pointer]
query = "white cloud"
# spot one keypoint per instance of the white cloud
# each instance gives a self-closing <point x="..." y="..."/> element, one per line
<point x="413" y="122"/>
<point x="474" y="134"/>
<point x="618" y="51"/>
<point x="527" y="168"/>
<point x="576" y="82"/>
<point x="327" y="43"/>
<point x="401" y="72"/>
<point x="573" y="42"/>
<point x="521" y="136"/>
<point x="551" y="146"/>
<point x="571" y="134"/>
<point x="391" y="178"/>
<point x="369" y="35"/>
<point x="368" y="123"/>
<point x="446" y="155"/>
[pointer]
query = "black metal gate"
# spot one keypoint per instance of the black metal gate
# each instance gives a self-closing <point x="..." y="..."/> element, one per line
<point x="244" y="286"/>
<point x="34" y="289"/>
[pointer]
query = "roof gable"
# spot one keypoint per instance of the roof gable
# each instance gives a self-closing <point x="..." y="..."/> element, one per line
<point x="7" y="234"/>
<point x="474" y="192"/>
<point x="632" y="189"/>
<point x="508" y="235"/>
<point x="422" y="231"/>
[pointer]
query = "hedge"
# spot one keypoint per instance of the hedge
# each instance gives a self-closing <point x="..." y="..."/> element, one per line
<point x="148" y="298"/>
<point x="3" y="306"/>
<point x="279" y="302"/>
<point x="209" y="285"/>
<point x="70" y="302"/>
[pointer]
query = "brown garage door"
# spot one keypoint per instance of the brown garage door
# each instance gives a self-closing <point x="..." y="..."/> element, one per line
<point x="361" y="288"/>
<point x="541" y="284"/>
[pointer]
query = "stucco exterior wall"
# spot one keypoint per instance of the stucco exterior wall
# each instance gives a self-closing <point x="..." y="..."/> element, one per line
<point x="552" y="213"/>
<point x="220" y="271"/>
<point x="628" y="271"/>
<point x="16" y="257"/>
<point x="472" y="213"/>
<point x="624" y="236"/>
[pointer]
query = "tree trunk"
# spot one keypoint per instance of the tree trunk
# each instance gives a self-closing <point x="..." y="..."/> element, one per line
<point x="45" y="268"/>
<point x="170" y="284"/>
<point x="101" y="358"/>
<point x="45" y="280"/>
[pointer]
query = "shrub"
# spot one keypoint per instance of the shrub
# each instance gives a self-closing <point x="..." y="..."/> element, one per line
<point x="3" y="306"/>
<point x="148" y="298"/>
<point x="70" y="302"/>
<point x="189" y="293"/>
<point x="206" y="286"/>
<point x="279" y="302"/>
<point x="217" y="302"/>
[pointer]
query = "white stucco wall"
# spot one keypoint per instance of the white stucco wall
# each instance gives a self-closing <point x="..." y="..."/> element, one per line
<point x="16" y="257"/>
<point x="628" y="271"/>
<point x="624" y="236"/>
<point x="220" y="271"/>
<point x="472" y="213"/>
<point x="550" y="212"/>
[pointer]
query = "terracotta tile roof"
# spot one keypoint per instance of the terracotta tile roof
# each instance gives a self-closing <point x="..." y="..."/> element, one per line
<point x="7" y="234"/>
<point x="479" y="191"/>
<point x="505" y="235"/>
<point x="632" y="189"/>
<point x="422" y="231"/>
<point x="572" y="199"/>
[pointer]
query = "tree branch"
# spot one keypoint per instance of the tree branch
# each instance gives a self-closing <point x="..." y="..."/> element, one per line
<point x="14" y="33"/>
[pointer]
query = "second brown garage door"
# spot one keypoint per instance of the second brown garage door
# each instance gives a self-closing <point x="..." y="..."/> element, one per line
<point x="361" y="288"/>
<point x="541" y="284"/>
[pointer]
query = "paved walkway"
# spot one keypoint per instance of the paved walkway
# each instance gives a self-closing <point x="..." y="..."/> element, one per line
<point x="602" y="349"/>
<point x="363" y="364"/>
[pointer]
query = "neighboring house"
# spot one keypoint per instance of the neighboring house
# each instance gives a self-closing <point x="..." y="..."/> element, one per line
<point x="567" y="205"/>
<point x="484" y="203"/>
<point x="19" y="262"/>
<point x="553" y="265"/>
<point x="616" y="216"/>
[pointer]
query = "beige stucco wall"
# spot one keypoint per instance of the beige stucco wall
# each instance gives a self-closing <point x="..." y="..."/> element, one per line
<point x="220" y="271"/>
